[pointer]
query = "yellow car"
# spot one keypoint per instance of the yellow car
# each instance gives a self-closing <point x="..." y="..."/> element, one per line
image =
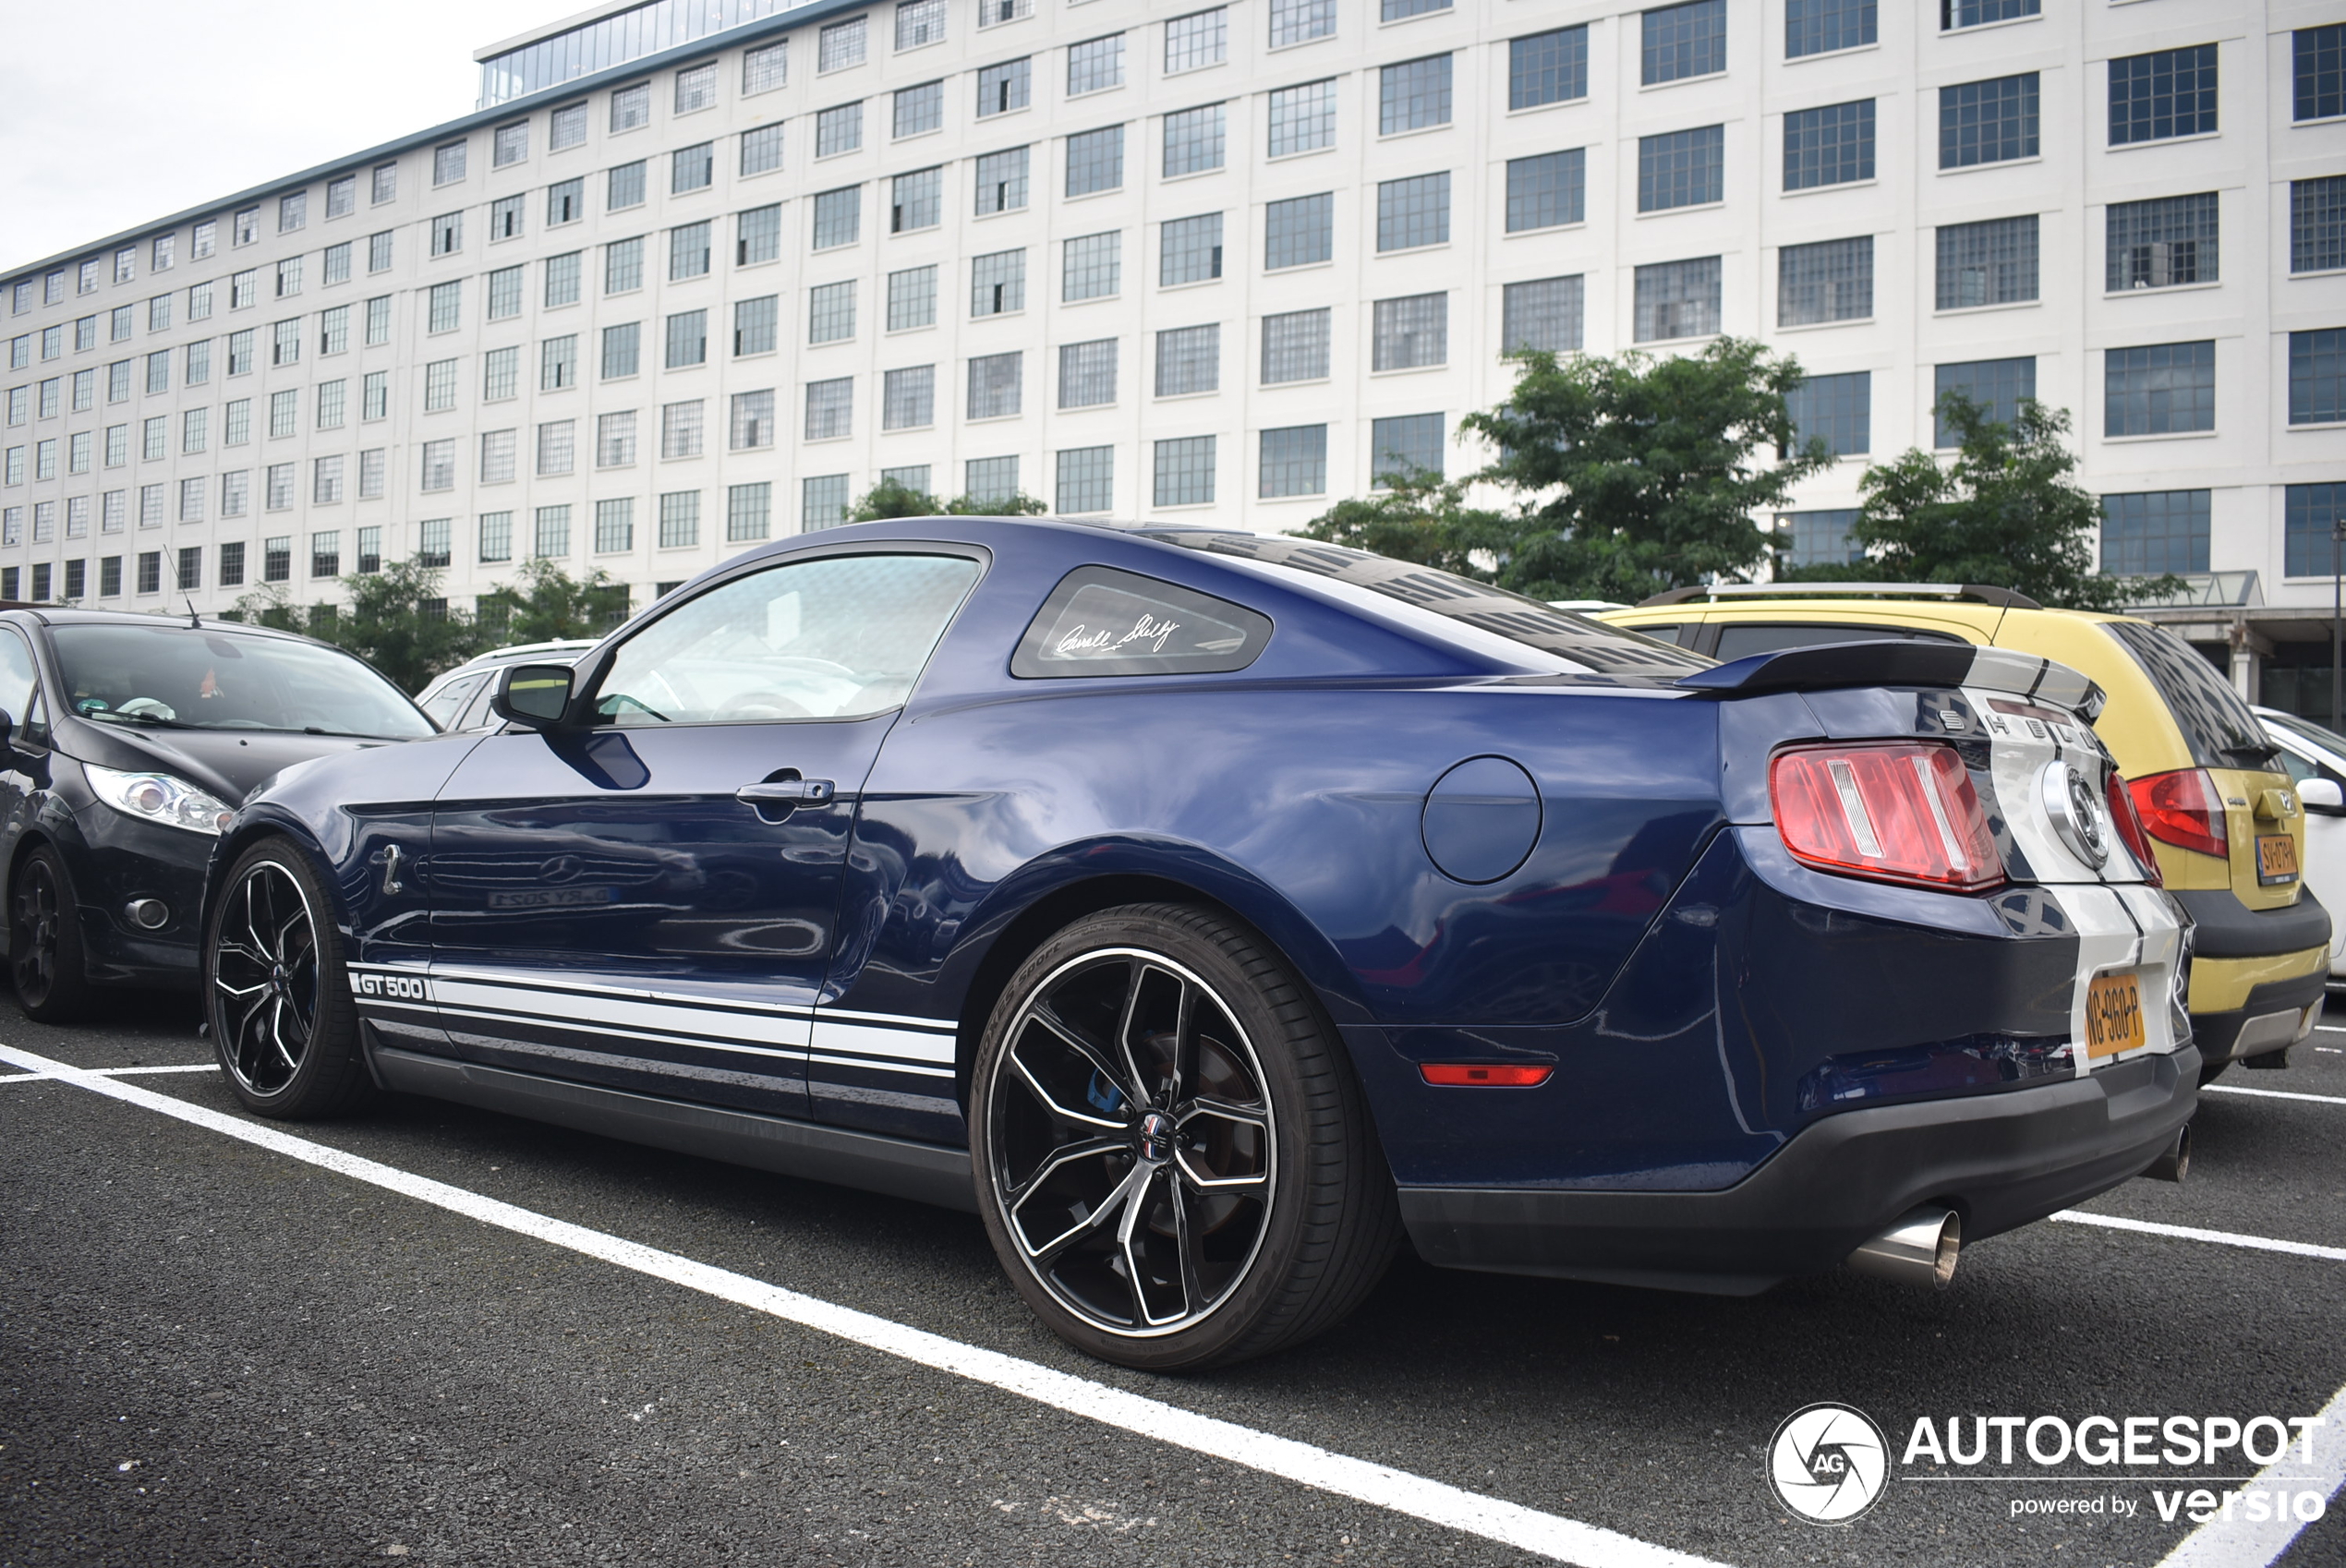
<point x="2210" y="789"/>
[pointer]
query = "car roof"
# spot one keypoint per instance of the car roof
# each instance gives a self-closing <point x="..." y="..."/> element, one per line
<point x="62" y="615"/>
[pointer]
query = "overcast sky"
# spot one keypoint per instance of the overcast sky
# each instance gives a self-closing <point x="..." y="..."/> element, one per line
<point x="116" y="113"/>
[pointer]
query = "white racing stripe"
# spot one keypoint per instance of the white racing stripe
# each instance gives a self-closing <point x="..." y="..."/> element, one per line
<point x="2271" y="1093"/>
<point x="2193" y="1233"/>
<point x="2240" y="1542"/>
<point x="1548" y="1535"/>
<point x="109" y="1072"/>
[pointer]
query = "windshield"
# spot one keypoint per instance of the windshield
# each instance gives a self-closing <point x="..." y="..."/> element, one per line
<point x="1579" y="642"/>
<point x="2214" y="719"/>
<point x="201" y="677"/>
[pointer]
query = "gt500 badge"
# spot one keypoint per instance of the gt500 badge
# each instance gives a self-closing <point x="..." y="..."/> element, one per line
<point x="404" y="988"/>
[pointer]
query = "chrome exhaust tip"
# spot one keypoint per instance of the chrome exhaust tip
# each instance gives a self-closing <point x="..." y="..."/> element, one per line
<point x="147" y="914"/>
<point x="1920" y="1249"/>
<point x="2174" y="1162"/>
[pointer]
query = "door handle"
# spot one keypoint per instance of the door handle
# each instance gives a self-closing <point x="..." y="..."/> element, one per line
<point x="787" y="792"/>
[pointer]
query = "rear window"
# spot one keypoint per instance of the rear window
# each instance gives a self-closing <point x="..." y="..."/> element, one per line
<point x="1102" y="621"/>
<point x="1742" y="639"/>
<point x="2215" y="723"/>
<point x="1562" y="634"/>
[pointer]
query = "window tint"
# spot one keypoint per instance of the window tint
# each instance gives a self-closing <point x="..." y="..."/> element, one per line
<point x="449" y="701"/>
<point x="836" y="638"/>
<point x="1742" y="639"/>
<point x="2216" y="723"/>
<point x="1102" y="621"/>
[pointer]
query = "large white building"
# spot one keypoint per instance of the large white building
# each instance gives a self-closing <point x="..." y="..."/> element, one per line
<point x="698" y="272"/>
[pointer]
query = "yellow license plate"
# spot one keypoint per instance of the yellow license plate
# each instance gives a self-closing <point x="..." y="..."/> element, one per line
<point x="2114" y="1015"/>
<point x="2276" y="858"/>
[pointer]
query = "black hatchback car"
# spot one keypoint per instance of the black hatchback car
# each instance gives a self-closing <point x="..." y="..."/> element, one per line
<point x="126" y="741"/>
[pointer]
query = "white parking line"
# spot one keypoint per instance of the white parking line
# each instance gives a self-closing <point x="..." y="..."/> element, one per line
<point x="1548" y="1535"/>
<point x="2240" y="1542"/>
<point x="2193" y="1233"/>
<point x="2271" y="1093"/>
<point x="109" y="1072"/>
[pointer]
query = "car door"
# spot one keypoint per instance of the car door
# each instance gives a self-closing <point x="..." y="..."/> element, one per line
<point x="646" y="900"/>
<point x="2325" y="832"/>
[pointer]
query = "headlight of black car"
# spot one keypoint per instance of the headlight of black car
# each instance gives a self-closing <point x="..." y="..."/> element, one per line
<point x="158" y="797"/>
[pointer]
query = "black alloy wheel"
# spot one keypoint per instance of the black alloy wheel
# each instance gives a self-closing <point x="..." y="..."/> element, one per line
<point x="1172" y="1157"/>
<point x="277" y="993"/>
<point x="45" y="959"/>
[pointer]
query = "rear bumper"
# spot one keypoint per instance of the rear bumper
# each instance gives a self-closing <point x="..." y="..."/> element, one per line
<point x="2273" y="1017"/>
<point x="1999" y="1159"/>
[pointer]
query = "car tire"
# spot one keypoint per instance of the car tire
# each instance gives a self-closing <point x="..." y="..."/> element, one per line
<point x="277" y="993"/>
<point x="46" y="958"/>
<point x="1172" y="1156"/>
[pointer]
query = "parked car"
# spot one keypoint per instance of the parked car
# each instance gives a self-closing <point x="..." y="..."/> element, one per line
<point x="1204" y="911"/>
<point x="459" y="699"/>
<point x="2230" y="836"/>
<point x="128" y="740"/>
<point x="2315" y="757"/>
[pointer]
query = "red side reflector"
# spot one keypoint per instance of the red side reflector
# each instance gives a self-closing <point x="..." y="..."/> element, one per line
<point x="1471" y="1074"/>
<point x="2184" y="809"/>
<point x="1893" y="810"/>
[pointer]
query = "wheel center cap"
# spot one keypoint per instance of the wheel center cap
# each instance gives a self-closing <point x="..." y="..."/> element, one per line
<point x="1157" y="1138"/>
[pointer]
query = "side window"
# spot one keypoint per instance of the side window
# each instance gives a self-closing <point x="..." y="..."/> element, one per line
<point x="1741" y="639"/>
<point x="2299" y="769"/>
<point x="449" y="701"/>
<point x="836" y="638"/>
<point x="1102" y="621"/>
<point x="19" y="685"/>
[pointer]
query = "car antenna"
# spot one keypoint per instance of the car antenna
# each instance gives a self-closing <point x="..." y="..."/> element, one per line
<point x="193" y="619"/>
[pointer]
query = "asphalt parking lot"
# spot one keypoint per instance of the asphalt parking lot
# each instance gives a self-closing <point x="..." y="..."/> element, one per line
<point x="218" y="1351"/>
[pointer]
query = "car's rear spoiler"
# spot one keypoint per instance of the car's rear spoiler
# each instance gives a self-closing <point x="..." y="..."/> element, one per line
<point x="1900" y="662"/>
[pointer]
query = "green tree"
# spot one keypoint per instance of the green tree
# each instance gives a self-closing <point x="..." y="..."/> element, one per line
<point x="545" y="603"/>
<point x="1633" y="475"/>
<point x="2006" y="512"/>
<point x="268" y="604"/>
<point x="398" y="620"/>
<point x="890" y="499"/>
<point x="1419" y="517"/>
<point x="1018" y="504"/>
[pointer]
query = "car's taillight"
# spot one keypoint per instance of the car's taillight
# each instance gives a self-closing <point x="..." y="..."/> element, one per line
<point x="2130" y="828"/>
<point x="2183" y="809"/>
<point x="1897" y="811"/>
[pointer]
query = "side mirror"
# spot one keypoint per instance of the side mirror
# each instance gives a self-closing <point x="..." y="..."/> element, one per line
<point x="2322" y="795"/>
<point x="533" y="695"/>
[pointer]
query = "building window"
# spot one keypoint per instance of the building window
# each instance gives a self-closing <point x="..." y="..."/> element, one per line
<point x="1820" y="538"/>
<point x="2311" y="519"/>
<point x="1193" y="140"/>
<point x="1301" y="21"/>
<point x="624" y="187"/>
<point x="1414" y="95"/>
<point x="377" y="254"/>
<point x="332" y="396"/>
<point x="831" y="312"/>
<point x="908" y="398"/>
<point x="1684" y="168"/>
<point x="1837" y="410"/>
<point x="757" y="235"/>
<point x="916" y="201"/>
<point x="912" y="298"/>
<point x="838" y="216"/>
<point x="566" y="126"/>
<point x="1988" y="263"/>
<point x="149" y="575"/>
<point x="1189" y="359"/>
<point x="504" y="295"/>
<point x="1410" y="332"/>
<point x="1997" y="386"/>
<point x="561" y="279"/>
<point x="448" y="234"/>
<point x="1295" y="346"/>
<point x="325" y="485"/>
<point x="1294" y="461"/>
<point x="838" y="129"/>
<point x="2161" y="389"/>
<point x="630" y="107"/>
<point x="998" y="283"/>
<point x="761" y="149"/>
<point x="696" y="88"/>
<point x="678" y="519"/>
<point x="374" y="396"/>
<point x="1547" y="67"/>
<point x="1087" y="373"/>
<point x="1302" y="230"/>
<point x="558" y="363"/>
<point x="232" y="566"/>
<point x="1678" y="299"/>
<point x="1988" y="122"/>
<point x="2159" y="244"/>
<point x="444" y="309"/>
<point x="689" y="168"/>
<point x="372" y="467"/>
<point x="1954" y="14"/>
<point x="2318" y="72"/>
<point x="1086" y="480"/>
<point x="552" y="531"/>
<point x="822" y="502"/>
<point x="1096" y="65"/>
<point x="1096" y="161"/>
<point x="284" y="415"/>
<point x="2155" y="97"/>
<point x="681" y="429"/>
<point x="1185" y="472"/>
<point x="1303" y="119"/>
<point x="918" y="110"/>
<point x="499" y="454"/>
<point x="621" y="350"/>
<point x="2317" y="376"/>
<point x="1546" y="191"/>
<point x="1829" y="146"/>
<point x="1828" y="282"/>
<point x="1413" y="212"/>
<point x="990" y="478"/>
<point x="1003" y="88"/>
<point x="688" y="252"/>
<point x="748" y="511"/>
<point x="439" y="465"/>
<point x="2154" y="533"/>
<point x="276" y="560"/>
<point x="448" y="163"/>
<point x="688" y="339"/>
<point x="440" y="387"/>
<point x="1544" y="314"/>
<point x="997" y="385"/>
<point x="766" y="68"/>
<point x="1190" y="250"/>
<point x="510" y="144"/>
<point x="1818" y="27"/>
<point x="614" y="526"/>
<point x="920" y="22"/>
<point x="2318" y="224"/>
<point x="1684" y="41"/>
<point x="1199" y="39"/>
<point x="839" y="45"/>
<point x="1091" y="266"/>
<point x="752" y="420"/>
<point x="1402" y="447"/>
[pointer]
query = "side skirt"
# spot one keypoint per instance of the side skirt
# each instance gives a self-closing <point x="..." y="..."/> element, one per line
<point x="925" y="1172"/>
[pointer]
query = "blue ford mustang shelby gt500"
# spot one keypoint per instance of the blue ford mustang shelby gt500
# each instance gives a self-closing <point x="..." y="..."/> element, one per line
<point x="1206" y="910"/>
